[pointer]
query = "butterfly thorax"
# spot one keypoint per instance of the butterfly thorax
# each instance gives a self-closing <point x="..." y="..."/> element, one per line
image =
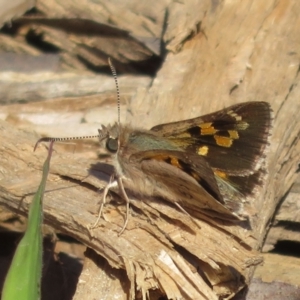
<point x="127" y="145"/>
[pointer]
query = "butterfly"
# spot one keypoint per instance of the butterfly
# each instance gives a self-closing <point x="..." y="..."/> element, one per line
<point x="209" y="164"/>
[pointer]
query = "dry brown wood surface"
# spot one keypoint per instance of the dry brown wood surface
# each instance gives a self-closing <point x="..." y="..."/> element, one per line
<point x="219" y="53"/>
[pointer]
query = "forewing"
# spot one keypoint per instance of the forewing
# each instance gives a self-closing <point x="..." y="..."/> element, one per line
<point x="188" y="180"/>
<point x="232" y="140"/>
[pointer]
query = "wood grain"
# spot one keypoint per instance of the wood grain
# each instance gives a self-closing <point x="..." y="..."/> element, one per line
<point x="225" y="53"/>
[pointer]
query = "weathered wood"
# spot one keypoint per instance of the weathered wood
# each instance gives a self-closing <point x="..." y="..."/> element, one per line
<point x="87" y="33"/>
<point x="286" y="222"/>
<point x="239" y="62"/>
<point x="243" y="51"/>
<point x="281" y="273"/>
<point x="13" y="9"/>
<point x="20" y="87"/>
<point x="146" y="248"/>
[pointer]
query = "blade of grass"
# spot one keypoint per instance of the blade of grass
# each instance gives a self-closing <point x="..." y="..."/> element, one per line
<point x="23" y="280"/>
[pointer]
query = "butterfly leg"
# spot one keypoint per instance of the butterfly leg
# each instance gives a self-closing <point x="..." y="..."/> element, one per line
<point x="125" y="197"/>
<point x="112" y="183"/>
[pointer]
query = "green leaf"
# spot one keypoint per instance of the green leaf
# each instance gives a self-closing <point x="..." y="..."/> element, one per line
<point x="23" y="280"/>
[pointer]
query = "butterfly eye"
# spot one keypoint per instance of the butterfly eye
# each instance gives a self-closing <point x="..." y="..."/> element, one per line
<point x="112" y="145"/>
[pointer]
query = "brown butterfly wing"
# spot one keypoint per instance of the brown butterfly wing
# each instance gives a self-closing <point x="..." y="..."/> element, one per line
<point x="186" y="179"/>
<point x="232" y="140"/>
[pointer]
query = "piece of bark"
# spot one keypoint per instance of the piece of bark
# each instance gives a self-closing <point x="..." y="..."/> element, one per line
<point x="26" y="63"/>
<point x="13" y="9"/>
<point x="17" y="46"/>
<point x="78" y="105"/>
<point x="286" y="222"/>
<point x="87" y="33"/>
<point x="139" y="18"/>
<point x="229" y="65"/>
<point x="230" y="68"/>
<point x="96" y="285"/>
<point x="39" y="85"/>
<point x="279" y="268"/>
<point x="289" y="209"/>
<point x="82" y="40"/>
<point x="274" y="290"/>
<point x="226" y="64"/>
<point x="280" y="276"/>
<point x="146" y="249"/>
<point x="183" y="22"/>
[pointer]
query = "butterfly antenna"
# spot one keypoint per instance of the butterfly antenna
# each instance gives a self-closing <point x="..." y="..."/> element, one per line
<point x="114" y="73"/>
<point x="62" y="139"/>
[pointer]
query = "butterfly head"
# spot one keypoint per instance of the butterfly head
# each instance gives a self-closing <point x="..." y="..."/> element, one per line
<point x="109" y="138"/>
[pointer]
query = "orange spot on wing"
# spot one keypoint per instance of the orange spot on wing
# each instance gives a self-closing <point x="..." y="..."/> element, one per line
<point x="175" y="162"/>
<point x="221" y="174"/>
<point x="223" y="141"/>
<point x="203" y="150"/>
<point x="183" y="135"/>
<point x="233" y="134"/>
<point x="168" y="159"/>
<point x="160" y="157"/>
<point x="207" y="129"/>
<point x="205" y="125"/>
